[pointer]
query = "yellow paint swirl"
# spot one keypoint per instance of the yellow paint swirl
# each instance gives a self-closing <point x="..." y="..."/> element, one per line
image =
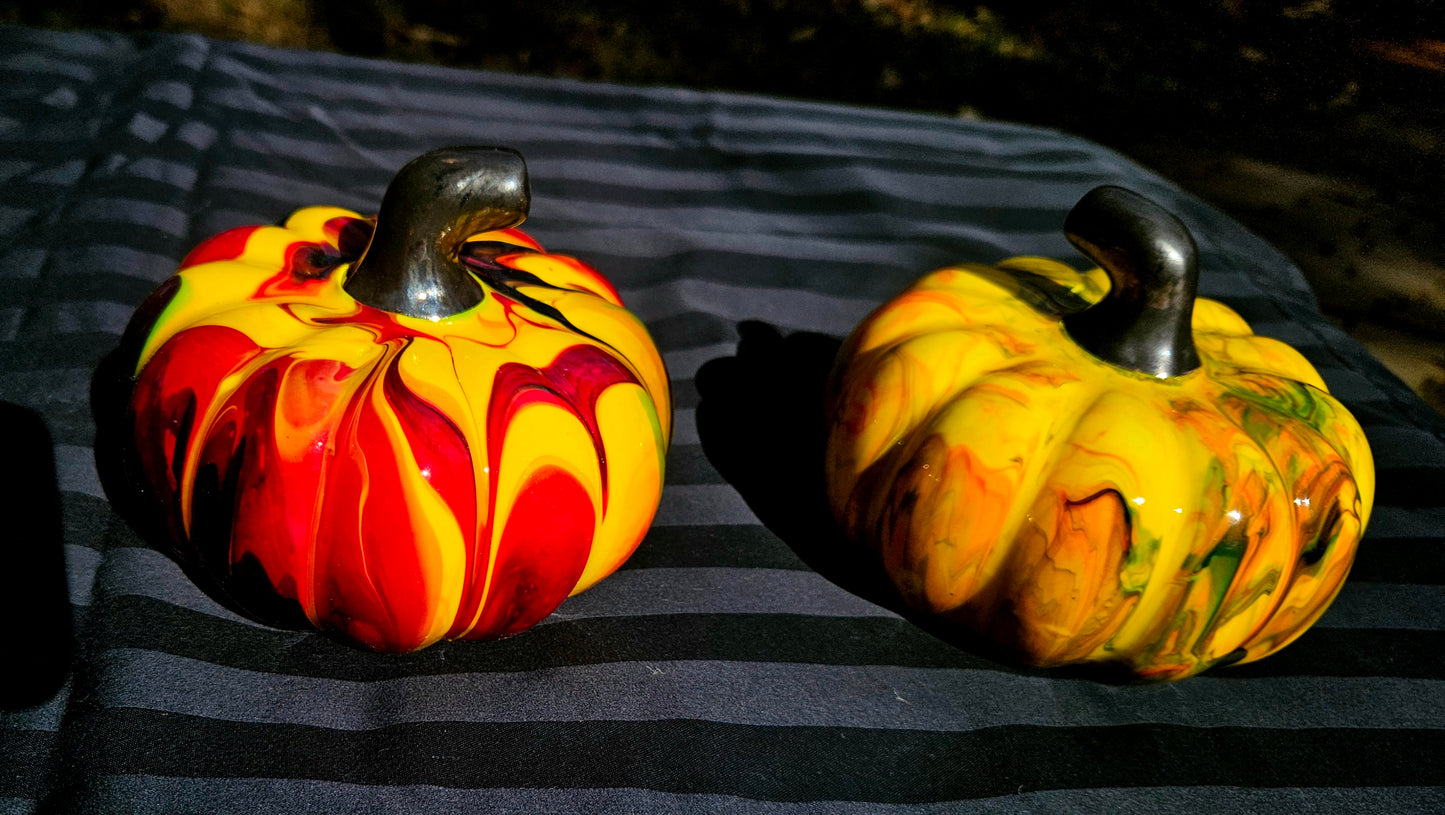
<point x="1074" y="511"/>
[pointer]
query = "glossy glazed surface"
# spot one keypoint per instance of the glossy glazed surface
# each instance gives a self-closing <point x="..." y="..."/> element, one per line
<point x="1074" y="511"/>
<point x="402" y="480"/>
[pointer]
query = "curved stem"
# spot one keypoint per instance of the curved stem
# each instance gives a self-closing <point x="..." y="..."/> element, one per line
<point x="433" y="205"/>
<point x="1143" y="323"/>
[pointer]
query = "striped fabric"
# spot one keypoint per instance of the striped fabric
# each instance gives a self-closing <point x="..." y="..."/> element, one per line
<point x="742" y="661"/>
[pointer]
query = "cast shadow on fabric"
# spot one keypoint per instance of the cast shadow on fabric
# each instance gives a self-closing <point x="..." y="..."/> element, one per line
<point x="761" y="426"/>
<point x="37" y="599"/>
<point x="760" y="422"/>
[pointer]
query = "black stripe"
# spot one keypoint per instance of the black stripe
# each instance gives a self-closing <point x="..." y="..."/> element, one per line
<point x="1400" y="560"/>
<point x="1412" y="487"/>
<point x="687" y="464"/>
<point x="58" y="350"/>
<point x="692" y="329"/>
<point x="90" y="522"/>
<point x="1381" y="413"/>
<point x="684" y="394"/>
<point x="141" y="622"/>
<point x="26" y="757"/>
<point x="99" y="286"/>
<point x="767" y="763"/>
<point x="702" y="546"/>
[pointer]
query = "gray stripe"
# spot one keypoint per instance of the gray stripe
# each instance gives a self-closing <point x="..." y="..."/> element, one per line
<point x="245" y="796"/>
<point x="139" y="572"/>
<point x="10" y="319"/>
<point x="1394" y="522"/>
<point x="38" y="62"/>
<point x="293" y="190"/>
<point x="45" y="718"/>
<point x="703" y="505"/>
<point x="1387" y="605"/>
<point x="81" y="565"/>
<point x="114" y="259"/>
<point x="170" y="220"/>
<point x="13" y="219"/>
<point x="23" y="262"/>
<point x="172" y="173"/>
<point x="80" y="44"/>
<point x="762" y="694"/>
<point x="18" y="806"/>
<point x="75" y="470"/>
<point x="684" y="426"/>
<point x="60" y="395"/>
<point x="177" y="94"/>
<point x="147" y="127"/>
<point x="75" y="317"/>
<point x="10" y="168"/>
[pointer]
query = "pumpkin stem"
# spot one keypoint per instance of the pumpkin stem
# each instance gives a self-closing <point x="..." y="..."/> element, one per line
<point x="433" y="205"/>
<point x="1143" y="323"/>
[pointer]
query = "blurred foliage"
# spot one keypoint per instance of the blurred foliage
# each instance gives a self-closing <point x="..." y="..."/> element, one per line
<point x="1110" y="70"/>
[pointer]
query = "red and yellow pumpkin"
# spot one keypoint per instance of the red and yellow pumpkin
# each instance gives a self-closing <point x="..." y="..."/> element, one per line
<point x="452" y="472"/>
<point x="1095" y="467"/>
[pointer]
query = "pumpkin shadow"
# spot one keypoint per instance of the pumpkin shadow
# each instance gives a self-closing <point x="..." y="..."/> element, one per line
<point x="39" y="641"/>
<point x="246" y="590"/>
<point x="762" y="426"/>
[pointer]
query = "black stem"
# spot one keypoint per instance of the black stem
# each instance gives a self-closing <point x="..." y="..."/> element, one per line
<point x="435" y="203"/>
<point x="1143" y="323"/>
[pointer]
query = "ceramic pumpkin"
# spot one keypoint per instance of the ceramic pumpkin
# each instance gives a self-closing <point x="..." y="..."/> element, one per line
<point x="416" y="427"/>
<point x="1096" y="467"/>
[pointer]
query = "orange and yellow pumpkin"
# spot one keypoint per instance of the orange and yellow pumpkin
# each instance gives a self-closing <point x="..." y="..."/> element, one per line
<point x="1095" y="467"/>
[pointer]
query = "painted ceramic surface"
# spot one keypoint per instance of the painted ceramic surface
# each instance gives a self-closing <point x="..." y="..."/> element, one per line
<point x="1074" y="511"/>
<point x="402" y="480"/>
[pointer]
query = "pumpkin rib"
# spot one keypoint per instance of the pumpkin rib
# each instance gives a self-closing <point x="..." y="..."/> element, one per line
<point x="1327" y="456"/>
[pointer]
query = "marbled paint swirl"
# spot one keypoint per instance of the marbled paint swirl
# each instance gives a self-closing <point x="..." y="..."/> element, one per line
<point x="1073" y="511"/>
<point x="400" y="480"/>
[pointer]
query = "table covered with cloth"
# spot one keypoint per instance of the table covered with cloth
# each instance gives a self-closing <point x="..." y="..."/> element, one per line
<point x="738" y="662"/>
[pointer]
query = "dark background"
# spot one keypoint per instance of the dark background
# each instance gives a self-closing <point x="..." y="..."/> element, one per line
<point x="1318" y="124"/>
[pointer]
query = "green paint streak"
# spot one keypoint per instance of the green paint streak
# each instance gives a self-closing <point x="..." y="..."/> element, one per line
<point x="1288" y="398"/>
<point x="1138" y="563"/>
